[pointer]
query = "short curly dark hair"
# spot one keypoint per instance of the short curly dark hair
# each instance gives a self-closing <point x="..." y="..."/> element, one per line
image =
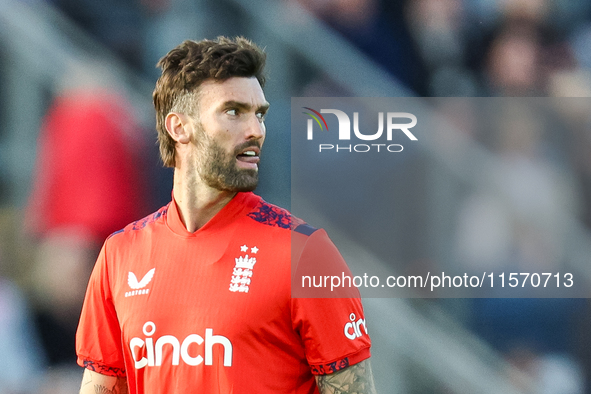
<point x="188" y="65"/>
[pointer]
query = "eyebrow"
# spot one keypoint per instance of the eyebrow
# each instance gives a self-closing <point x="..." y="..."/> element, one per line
<point x="245" y="106"/>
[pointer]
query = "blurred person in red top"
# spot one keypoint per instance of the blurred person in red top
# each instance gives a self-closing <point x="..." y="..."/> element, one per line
<point x="87" y="184"/>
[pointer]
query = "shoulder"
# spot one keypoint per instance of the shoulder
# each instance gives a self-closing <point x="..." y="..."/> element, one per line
<point x="124" y="249"/>
<point x="141" y="225"/>
<point x="274" y="216"/>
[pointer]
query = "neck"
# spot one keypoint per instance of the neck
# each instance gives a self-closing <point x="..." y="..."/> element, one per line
<point x="197" y="203"/>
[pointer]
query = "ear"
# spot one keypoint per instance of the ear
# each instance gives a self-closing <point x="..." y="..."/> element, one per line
<point x="178" y="127"/>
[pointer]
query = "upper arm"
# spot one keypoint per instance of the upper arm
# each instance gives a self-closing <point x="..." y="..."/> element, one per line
<point x="96" y="383"/>
<point x="99" y="345"/>
<point x="355" y="379"/>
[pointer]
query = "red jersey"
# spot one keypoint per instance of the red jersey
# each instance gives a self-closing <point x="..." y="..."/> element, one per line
<point x="211" y="311"/>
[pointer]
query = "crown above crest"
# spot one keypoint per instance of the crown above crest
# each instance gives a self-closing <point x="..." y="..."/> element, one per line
<point x="245" y="262"/>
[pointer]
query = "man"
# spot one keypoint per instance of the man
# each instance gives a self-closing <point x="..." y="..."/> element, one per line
<point x="196" y="297"/>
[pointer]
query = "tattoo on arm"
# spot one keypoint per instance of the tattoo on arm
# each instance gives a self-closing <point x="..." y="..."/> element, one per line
<point x="120" y="387"/>
<point x="356" y="379"/>
<point x="96" y="383"/>
<point x="99" y="389"/>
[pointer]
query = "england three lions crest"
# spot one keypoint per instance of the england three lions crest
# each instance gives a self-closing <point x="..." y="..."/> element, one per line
<point x="243" y="270"/>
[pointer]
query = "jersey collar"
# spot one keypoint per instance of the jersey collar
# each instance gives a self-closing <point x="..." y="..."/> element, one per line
<point x="229" y="213"/>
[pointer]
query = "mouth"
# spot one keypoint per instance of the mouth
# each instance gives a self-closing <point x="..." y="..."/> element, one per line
<point x="249" y="158"/>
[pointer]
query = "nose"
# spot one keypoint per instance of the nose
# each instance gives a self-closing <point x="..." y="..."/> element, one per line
<point x="255" y="128"/>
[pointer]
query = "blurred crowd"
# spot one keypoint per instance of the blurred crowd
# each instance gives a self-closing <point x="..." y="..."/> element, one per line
<point x="87" y="182"/>
<point x="437" y="48"/>
<point x="451" y="48"/>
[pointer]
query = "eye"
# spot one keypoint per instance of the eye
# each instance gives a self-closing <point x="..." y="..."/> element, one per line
<point x="261" y="115"/>
<point x="232" y="112"/>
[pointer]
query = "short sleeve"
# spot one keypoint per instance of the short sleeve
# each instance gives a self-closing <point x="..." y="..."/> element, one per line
<point x="98" y="339"/>
<point x="333" y="330"/>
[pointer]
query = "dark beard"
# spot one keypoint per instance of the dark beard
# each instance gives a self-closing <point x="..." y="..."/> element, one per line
<point x="219" y="170"/>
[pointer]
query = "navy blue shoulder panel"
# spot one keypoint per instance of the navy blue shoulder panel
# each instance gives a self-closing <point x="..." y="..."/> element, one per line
<point x="274" y="216"/>
<point x="140" y="224"/>
<point x="305" y="229"/>
<point x="271" y="215"/>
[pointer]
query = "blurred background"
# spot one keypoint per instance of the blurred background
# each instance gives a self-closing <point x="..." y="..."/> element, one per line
<point x="78" y="160"/>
